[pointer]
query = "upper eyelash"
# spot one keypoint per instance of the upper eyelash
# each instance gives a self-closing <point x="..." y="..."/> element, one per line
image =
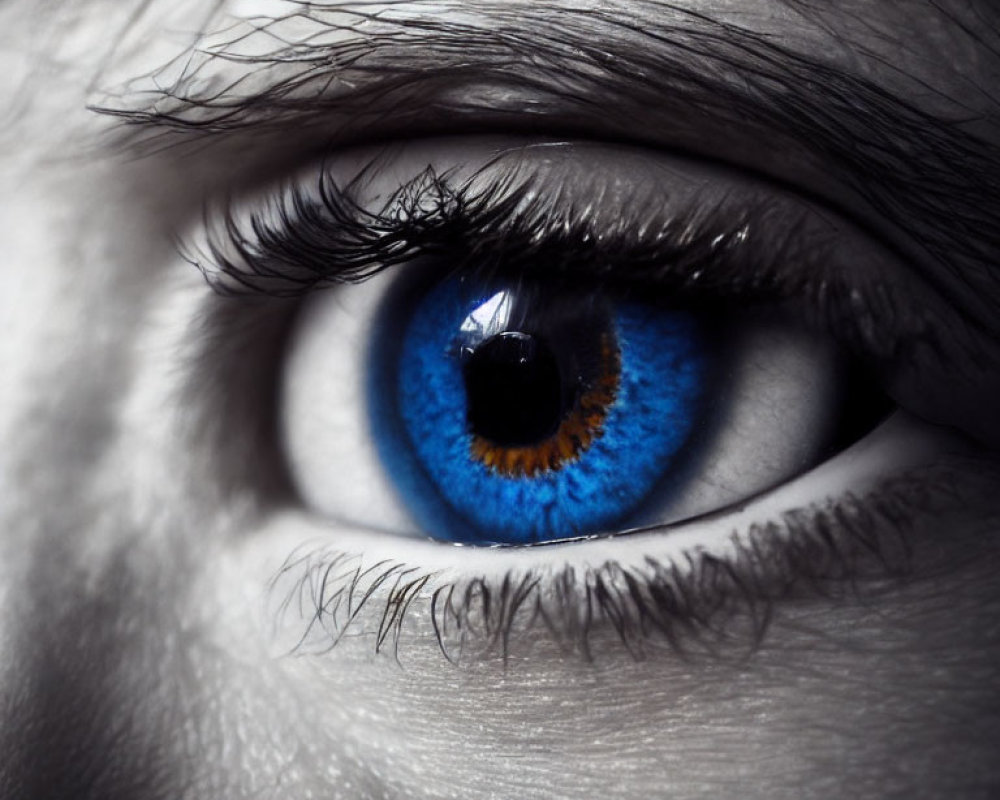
<point x="337" y="240"/>
<point x="299" y="241"/>
<point x="708" y="606"/>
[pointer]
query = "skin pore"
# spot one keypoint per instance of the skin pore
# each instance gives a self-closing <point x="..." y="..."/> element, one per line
<point x="145" y="511"/>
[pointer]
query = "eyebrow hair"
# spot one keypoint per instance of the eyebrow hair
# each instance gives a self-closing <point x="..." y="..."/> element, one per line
<point x="489" y="65"/>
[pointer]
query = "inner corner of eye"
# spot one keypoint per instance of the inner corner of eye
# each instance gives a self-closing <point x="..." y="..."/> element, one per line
<point x="492" y="411"/>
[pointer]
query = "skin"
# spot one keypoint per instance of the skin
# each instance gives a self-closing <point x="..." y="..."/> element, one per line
<point x="139" y="651"/>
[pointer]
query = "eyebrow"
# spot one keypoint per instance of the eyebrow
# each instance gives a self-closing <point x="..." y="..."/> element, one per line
<point x="373" y="70"/>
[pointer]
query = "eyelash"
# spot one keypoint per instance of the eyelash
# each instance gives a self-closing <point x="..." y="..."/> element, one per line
<point x="300" y="242"/>
<point x="708" y="606"/>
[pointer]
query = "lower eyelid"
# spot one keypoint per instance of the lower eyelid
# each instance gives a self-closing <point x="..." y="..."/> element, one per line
<point x="322" y="588"/>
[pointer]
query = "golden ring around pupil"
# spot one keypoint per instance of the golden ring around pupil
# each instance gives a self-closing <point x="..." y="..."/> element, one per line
<point x="577" y="431"/>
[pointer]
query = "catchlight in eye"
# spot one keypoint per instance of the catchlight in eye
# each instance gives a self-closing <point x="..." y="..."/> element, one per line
<point x="529" y="412"/>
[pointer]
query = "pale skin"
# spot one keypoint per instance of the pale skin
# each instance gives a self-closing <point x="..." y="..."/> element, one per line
<point x="141" y="652"/>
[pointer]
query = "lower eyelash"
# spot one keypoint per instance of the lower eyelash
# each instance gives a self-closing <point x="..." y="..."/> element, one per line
<point x="700" y="605"/>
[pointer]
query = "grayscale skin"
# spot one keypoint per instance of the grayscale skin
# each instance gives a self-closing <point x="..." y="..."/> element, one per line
<point x="144" y="652"/>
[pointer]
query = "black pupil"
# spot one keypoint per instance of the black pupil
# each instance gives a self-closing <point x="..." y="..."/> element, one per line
<point x="514" y="389"/>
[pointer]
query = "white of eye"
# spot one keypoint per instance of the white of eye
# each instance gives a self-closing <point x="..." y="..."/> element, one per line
<point x="776" y="414"/>
<point x="326" y="427"/>
<point x="779" y="412"/>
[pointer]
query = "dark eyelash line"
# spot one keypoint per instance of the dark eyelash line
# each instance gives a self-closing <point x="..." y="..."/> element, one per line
<point x="706" y="607"/>
<point x="337" y="240"/>
<point x="711" y="252"/>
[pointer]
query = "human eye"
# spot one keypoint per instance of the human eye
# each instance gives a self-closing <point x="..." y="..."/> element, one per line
<point x="742" y="433"/>
<point x="215" y="581"/>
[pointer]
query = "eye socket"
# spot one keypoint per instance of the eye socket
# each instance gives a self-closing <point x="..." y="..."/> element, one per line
<point x="756" y="398"/>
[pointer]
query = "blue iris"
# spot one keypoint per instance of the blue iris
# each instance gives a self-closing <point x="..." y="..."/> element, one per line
<point x="420" y="411"/>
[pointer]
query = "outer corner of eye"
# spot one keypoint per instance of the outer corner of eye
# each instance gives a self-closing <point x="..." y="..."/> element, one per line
<point x="493" y="411"/>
